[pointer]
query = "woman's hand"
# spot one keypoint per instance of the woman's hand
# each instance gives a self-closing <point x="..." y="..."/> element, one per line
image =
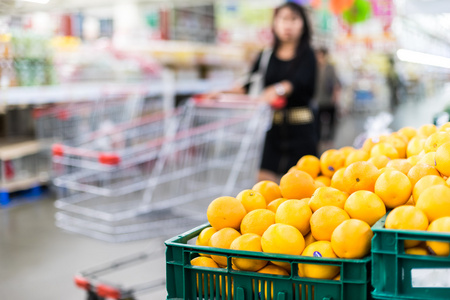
<point x="269" y="94"/>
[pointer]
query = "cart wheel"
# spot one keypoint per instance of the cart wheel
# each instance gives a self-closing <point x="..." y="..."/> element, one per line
<point x="93" y="296"/>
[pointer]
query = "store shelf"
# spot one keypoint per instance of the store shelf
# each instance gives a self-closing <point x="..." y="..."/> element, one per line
<point x="24" y="184"/>
<point x="75" y="92"/>
<point x="17" y="150"/>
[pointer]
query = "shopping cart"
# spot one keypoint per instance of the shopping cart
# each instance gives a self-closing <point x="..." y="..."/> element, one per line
<point x="72" y="122"/>
<point x="153" y="176"/>
<point x="101" y="282"/>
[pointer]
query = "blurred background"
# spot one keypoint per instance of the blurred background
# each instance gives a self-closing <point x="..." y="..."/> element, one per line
<point x="60" y="60"/>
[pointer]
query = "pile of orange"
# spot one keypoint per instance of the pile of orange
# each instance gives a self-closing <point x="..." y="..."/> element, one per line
<point x="325" y="207"/>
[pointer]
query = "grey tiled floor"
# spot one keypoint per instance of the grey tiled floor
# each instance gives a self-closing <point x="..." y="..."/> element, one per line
<point x="38" y="261"/>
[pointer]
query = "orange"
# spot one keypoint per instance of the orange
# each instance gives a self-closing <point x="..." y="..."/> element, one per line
<point x="415" y="146"/>
<point x="365" y="206"/>
<point x="399" y="144"/>
<point x="282" y="239"/>
<point x="223" y="239"/>
<point x="368" y="144"/>
<point x="394" y="188"/>
<point x="337" y="181"/>
<point x="416" y="251"/>
<point x="294" y="168"/>
<point x="379" y="161"/>
<point x="347" y="150"/>
<point x="269" y="189"/>
<point x="401" y="136"/>
<point x="434" y="141"/>
<point x="338" y="277"/>
<point x="318" y="249"/>
<point x="326" y="196"/>
<point x="352" y="239"/>
<point x="440" y="225"/>
<point x="297" y="185"/>
<point x="331" y="161"/>
<point x="309" y="239"/>
<point x="386" y="149"/>
<point x="295" y="213"/>
<point x="426" y="182"/>
<point x="409" y="132"/>
<point x="426" y="130"/>
<point x="325" y="220"/>
<point x="309" y="164"/>
<point x="407" y="217"/>
<point x="319" y="184"/>
<point x="428" y="159"/>
<point x="442" y="159"/>
<point x="248" y="242"/>
<point x="251" y="200"/>
<point x="273" y="206"/>
<point x="401" y="165"/>
<point x="419" y="171"/>
<point x="204" y="236"/>
<point x="387" y="169"/>
<point x="413" y="160"/>
<point x="445" y="127"/>
<point x="448" y="181"/>
<point x="357" y="155"/>
<point x="205" y="262"/>
<point x="257" y="221"/>
<point x="274" y="270"/>
<point x="435" y="202"/>
<point x="360" y="175"/>
<point x="225" y="212"/>
<point x="324" y="179"/>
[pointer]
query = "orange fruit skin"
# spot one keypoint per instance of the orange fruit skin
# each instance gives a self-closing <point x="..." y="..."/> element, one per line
<point x="426" y="130"/>
<point x="326" y="196"/>
<point x="269" y="189"/>
<point x="331" y="161"/>
<point x="434" y="141"/>
<point x="257" y="221"/>
<point x="368" y="145"/>
<point x="324" y="179"/>
<point x="386" y="149"/>
<point x="325" y="220"/>
<point x="251" y="200"/>
<point x="352" y="239"/>
<point x="435" y="202"/>
<point x="324" y="249"/>
<point x="297" y="185"/>
<point x="273" y="206"/>
<point x="409" y="132"/>
<point x="365" y="206"/>
<point x="225" y="212"/>
<point x="407" y="217"/>
<point x="337" y="181"/>
<point x="274" y="270"/>
<point x="399" y="144"/>
<point x="401" y="165"/>
<point x="295" y="213"/>
<point x="360" y="175"/>
<point x="442" y="159"/>
<point x="419" y="171"/>
<point x="309" y="164"/>
<point x="379" y="161"/>
<point x="248" y="242"/>
<point x="357" y="155"/>
<point x="415" y="146"/>
<point x="426" y="182"/>
<point x="394" y="188"/>
<point x="223" y="239"/>
<point x="440" y="225"/>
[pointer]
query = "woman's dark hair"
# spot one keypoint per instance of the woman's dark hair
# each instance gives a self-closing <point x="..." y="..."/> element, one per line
<point x="305" y="39"/>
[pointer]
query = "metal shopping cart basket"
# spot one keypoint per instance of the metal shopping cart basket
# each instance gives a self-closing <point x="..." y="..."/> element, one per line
<point x="72" y="122"/>
<point x="155" y="175"/>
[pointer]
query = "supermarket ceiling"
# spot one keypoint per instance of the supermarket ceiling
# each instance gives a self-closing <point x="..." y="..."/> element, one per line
<point x="406" y="7"/>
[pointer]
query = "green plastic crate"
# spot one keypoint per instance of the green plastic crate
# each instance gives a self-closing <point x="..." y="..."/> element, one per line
<point x="182" y="276"/>
<point x="395" y="274"/>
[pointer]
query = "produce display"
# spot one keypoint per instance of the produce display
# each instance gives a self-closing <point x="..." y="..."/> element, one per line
<point x="325" y="207"/>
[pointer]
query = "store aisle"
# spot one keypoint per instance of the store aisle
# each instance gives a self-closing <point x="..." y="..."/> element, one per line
<point x="38" y="260"/>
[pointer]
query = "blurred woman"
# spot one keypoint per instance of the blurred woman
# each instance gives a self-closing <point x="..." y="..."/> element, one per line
<point x="288" y="70"/>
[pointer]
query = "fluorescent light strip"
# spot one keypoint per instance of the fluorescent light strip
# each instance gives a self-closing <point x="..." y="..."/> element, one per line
<point x="423" y="58"/>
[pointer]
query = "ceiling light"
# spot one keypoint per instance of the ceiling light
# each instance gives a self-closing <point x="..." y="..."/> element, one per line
<point x="423" y="58"/>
